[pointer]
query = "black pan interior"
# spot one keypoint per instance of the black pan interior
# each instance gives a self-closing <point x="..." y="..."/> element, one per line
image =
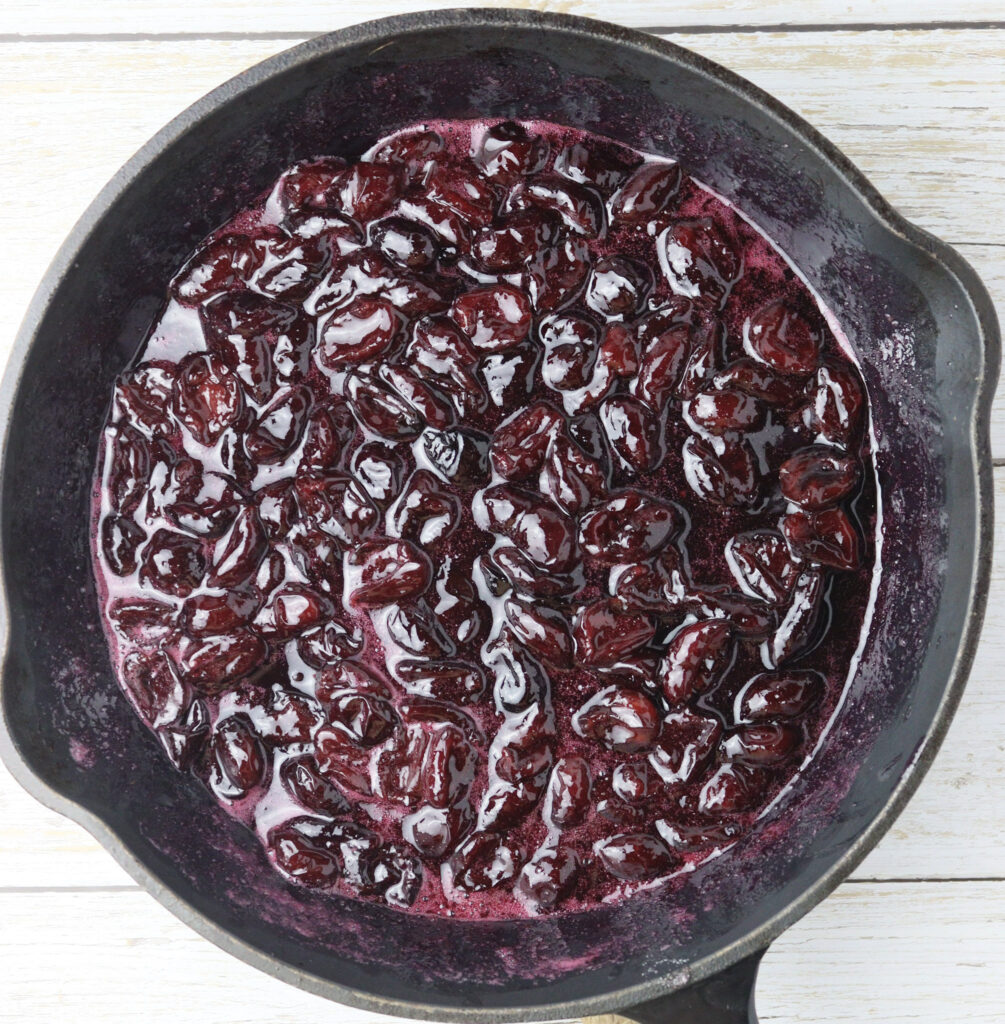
<point x="912" y="324"/>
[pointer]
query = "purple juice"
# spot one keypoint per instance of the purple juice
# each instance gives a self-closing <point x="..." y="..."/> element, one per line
<point x="489" y="523"/>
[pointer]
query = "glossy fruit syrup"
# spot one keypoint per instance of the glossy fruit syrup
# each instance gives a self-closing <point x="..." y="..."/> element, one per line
<point x="488" y="523"/>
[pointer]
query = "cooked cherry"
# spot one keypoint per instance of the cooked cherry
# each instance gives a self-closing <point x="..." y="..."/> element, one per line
<point x="630" y="782"/>
<point x="432" y="407"/>
<point x="360" y="332"/>
<point x="698" y="261"/>
<point x="761" y="563"/>
<point x="239" y="754"/>
<point x="599" y="163"/>
<point x="217" y="613"/>
<point x="618" y="719"/>
<point x="412" y="150"/>
<point x="772" y="695"/>
<point x="722" y="412"/>
<point x="684" y="747"/>
<point x="519" y="678"/>
<point x="415" y="629"/>
<point x="617" y="286"/>
<point x="782" y="339"/>
<point x="120" y="539"/>
<point x="603" y="636"/>
<point x="660" y="369"/>
<point x="154" y="686"/>
<point x="303" y="857"/>
<point x="724" y="472"/>
<point x="732" y="789"/>
<point x="172" y="563"/>
<point x="544" y="631"/>
<point x="311" y="789"/>
<point x="308" y="185"/>
<point x="212" y="663"/>
<point x="279" y="426"/>
<point x="697" y="656"/>
<point x="390" y="571"/>
<point x="340" y="757"/>
<point x="366" y="191"/>
<point x="568" y="796"/>
<point x="689" y="838"/>
<point x="366" y="719"/>
<point x="493" y="318"/>
<point x="207" y="397"/>
<point x="450" y="680"/>
<point x="633" y="431"/>
<point x="533" y="524"/>
<point x="628" y="527"/>
<point x="635" y="857"/>
<point x="646" y="192"/>
<point x="758" y="381"/>
<point x="818" y="476"/>
<point x="322" y="439"/>
<point x="337" y="504"/>
<point x="344" y="675"/>
<point x="762" y="744"/>
<point x="798" y="628"/>
<point x="483" y="861"/>
<point x="827" y="538"/>
<point x="292" y="609"/>
<point x="424" y="512"/>
<point x="380" y="471"/>
<point x="570" y="477"/>
<point x="836" y="403"/>
<point x="392" y="873"/>
<point x="460" y="457"/>
<point x="508" y="150"/>
<point x="579" y="208"/>
<point x="222" y="264"/>
<point x="435" y="831"/>
<point x="511" y="245"/>
<point x="328" y="644"/>
<point x="548" y="877"/>
<point x="380" y="409"/>
<point x="405" y="243"/>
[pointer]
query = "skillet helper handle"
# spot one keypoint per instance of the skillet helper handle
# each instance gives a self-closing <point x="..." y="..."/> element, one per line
<point x="724" y="998"/>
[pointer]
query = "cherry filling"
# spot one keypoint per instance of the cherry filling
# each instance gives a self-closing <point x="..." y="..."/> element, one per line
<point x="488" y="523"/>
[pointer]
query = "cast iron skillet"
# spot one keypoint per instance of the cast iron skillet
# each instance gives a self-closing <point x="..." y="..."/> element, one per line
<point x="923" y="328"/>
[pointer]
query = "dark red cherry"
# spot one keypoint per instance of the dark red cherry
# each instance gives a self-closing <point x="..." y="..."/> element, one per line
<point x="412" y="150"/>
<point x="628" y="527"/>
<point x="636" y="857"/>
<point x="154" y="687"/>
<point x="633" y="431"/>
<point x="202" y="614"/>
<point x="390" y="571"/>
<point x="689" y="838"/>
<point x="448" y="679"/>
<point x="238" y="553"/>
<point x="761" y="563"/>
<point x="303" y="857"/>
<point x="618" y="286"/>
<point x="520" y="680"/>
<point x="280" y="425"/>
<point x="308" y="185"/>
<point x="220" y="265"/>
<point x="362" y="331"/>
<point x="646" y="193"/>
<point x="698" y="261"/>
<point x="578" y="207"/>
<point x="732" y="789"/>
<point x="768" y="743"/>
<point x="604" y="166"/>
<point x="781" y="338"/>
<point x="604" y="636"/>
<point x="494" y="318"/>
<point x="557" y="273"/>
<point x="120" y="539"/>
<point x="328" y="644"/>
<point x="431" y="406"/>
<point x="798" y="629"/>
<point x="207" y="397"/>
<point x="366" y="719"/>
<point x="380" y="471"/>
<point x="143" y="396"/>
<point x="827" y="538"/>
<point x="341" y="758"/>
<point x="697" y="656"/>
<point x="544" y="631"/>
<point x="367" y="191"/>
<point x="511" y="245"/>
<point x="172" y="563"/>
<point x="239" y="753"/>
<point x="415" y="629"/>
<point x="393" y="873"/>
<point x="405" y="243"/>
<point x="534" y="525"/>
<point x="618" y="719"/>
<point x="324" y="438"/>
<point x="817" y="476"/>
<point x="289" y="266"/>
<point x="459" y="456"/>
<point x="661" y="366"/>
<point x="342" y="675"/>
<point x="723" y="472"/>
<point x="685" y="746"/>
<point x="758" y="381"/>
<point x="772" y="695"/>
<point x="837" y="401"/>
<point x="337" y="504"/>
<point x="483" y="861"/>
<point x="425" y="511"/>
<point x="212" y="663"/>
<point x="721" y="412"/>
<point x="630" y="782"/>
<point x="547" y="878"/>
<point x="570" y="477"/>
<point x="568" y="795"/>
<point x="379" y="408"/>
<point x="520" y="444"/>
<point x="507" y="151"/>
<point x="292" y="609"/>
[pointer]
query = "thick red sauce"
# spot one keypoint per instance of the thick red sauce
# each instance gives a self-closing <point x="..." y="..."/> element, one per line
<point x="488" y="523"/>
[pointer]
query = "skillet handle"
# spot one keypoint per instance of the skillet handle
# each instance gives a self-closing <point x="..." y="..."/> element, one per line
<point x="725" y="998"/>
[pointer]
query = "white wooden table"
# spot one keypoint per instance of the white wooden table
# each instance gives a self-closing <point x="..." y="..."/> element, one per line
<point x="914" y="92"/>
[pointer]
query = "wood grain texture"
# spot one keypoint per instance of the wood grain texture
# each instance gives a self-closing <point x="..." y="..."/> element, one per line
<point x="100" y="958"/>
<point x="29" y="17"/>
<point x="75" y="111"/>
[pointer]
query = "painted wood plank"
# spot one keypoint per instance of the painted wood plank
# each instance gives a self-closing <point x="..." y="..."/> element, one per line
<point x="923" y="113"/>
<point x="39" y="848"/>
<point x="916" y="953"/>
<point x="313" y="16"/>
